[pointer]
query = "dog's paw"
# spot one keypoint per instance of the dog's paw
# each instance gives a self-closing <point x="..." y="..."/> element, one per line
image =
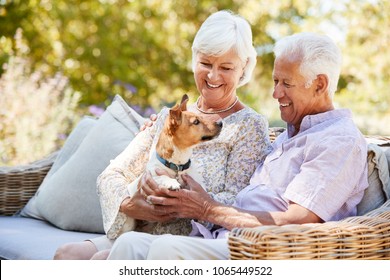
<point x="167" y="182"/>
<point x="174" y="186"/>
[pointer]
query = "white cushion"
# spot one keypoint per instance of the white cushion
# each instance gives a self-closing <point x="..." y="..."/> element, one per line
<point x="378" y="190"/>
<point x="68" y="198"/>
<point x="31" y="239"/>
<point x="70" y="146"/>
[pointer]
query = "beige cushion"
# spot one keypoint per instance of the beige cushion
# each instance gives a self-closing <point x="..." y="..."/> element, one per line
<point x="68" y="198"/>
<point x="378" y="190"/>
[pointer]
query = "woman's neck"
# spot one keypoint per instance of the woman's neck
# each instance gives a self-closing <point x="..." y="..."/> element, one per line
<point x="215" y="117"/>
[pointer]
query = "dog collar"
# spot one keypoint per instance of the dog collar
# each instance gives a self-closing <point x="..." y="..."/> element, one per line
<point x="173" y="166"/>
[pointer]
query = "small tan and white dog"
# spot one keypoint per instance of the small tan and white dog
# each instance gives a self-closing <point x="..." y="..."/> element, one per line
<point x="182" y="131"/>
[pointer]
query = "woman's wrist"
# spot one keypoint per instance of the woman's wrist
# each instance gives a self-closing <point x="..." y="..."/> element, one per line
<point x="123" y="208"/>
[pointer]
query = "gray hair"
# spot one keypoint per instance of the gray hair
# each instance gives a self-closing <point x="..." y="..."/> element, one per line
<point x="221" y="32"/>
<point x="317" y="54"/>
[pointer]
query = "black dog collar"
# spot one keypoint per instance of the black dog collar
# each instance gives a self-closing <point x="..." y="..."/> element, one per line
<point x="175" y="167"/>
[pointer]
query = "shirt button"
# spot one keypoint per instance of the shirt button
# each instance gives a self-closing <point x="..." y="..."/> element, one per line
<point x="278" y="153"/>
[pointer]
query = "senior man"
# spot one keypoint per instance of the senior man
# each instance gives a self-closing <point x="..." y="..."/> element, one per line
<point x="316" y="172"/>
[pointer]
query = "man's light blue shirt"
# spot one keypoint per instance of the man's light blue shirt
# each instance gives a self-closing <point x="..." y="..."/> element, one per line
<point x="322" y="168"/>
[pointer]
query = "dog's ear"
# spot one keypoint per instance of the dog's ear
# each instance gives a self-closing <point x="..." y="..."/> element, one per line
<point x="175" y="111"/>
<point x="183" y="103"/>
<point x="175" y="114"/>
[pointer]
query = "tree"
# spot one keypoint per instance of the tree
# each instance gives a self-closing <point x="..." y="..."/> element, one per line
<point x="142" y="49"/>
<point x="367" y="64"/>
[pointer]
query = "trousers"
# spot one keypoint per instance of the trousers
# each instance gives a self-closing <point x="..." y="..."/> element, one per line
<point x="143" y="246"/>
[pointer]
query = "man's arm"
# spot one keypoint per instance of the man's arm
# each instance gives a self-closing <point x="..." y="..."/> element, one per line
<point x="197" y="204"/>
<point x="231" y="217"/>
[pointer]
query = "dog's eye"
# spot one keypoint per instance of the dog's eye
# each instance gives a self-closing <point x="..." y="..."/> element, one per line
<point x="196" y="122"/>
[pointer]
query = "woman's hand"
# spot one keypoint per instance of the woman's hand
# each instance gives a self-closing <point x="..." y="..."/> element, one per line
<point x="149" y="187"/>
<point x="192" y="203"/>
<point x="139" y="207"/>
<point x="148" y="123"/>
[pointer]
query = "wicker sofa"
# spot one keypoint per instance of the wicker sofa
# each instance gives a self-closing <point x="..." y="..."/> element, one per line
<point x="25" y="238"/>
<point x="59" y="185"/>
<point x="360" y="237"/>
<point x="53" y="201"/>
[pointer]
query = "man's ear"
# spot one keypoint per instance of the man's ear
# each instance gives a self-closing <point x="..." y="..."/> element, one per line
<point x="322" y="82"/>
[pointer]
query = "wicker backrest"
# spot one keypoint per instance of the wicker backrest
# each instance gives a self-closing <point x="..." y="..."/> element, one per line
<point x="18" y="184"/>
<point x="359" y="237"/>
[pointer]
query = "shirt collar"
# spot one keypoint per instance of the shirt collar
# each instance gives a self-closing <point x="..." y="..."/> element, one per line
<point x="312" y="120"/>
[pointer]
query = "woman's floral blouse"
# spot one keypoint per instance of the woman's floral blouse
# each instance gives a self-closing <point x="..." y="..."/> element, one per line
<point x="226" y="163"/>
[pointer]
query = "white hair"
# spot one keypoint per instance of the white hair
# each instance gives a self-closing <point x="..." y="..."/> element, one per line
<point x="221" y="32"/>
<point x="317" y="54"/>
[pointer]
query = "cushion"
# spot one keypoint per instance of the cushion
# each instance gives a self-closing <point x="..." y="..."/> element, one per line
<point x="70" y="146"/>
<point x="68" y="198"/>
<point x="378" y="180"/>
<point x="31" y="239"/>
<point x="387" y="154"/>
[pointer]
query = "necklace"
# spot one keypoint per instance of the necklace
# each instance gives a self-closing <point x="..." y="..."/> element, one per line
<point x="215" y="112"/>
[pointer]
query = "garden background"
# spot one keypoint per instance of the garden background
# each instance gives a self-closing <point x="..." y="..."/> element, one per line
<point x="63" y="59"/>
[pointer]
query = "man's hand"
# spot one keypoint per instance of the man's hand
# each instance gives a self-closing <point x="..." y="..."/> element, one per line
<point x="186" y="203"/>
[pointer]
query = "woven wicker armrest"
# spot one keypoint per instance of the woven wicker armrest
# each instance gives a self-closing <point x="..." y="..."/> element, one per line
<point x="359" y="237"/>
<point x="274" y="132"/>
<point x="19" y="183"/>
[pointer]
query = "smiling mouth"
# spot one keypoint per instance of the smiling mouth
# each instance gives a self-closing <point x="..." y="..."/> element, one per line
<point x="284" y="104"/>
<point x="212" y="85"/>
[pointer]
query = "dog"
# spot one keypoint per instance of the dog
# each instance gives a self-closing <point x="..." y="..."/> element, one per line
<point x="182" y="131"/>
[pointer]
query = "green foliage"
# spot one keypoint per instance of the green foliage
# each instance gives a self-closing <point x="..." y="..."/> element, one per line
<point x="367" y="64"/>
<point x="107" y="47"/>
<point x="34" y="112"/>
<point x="142" y="49"/>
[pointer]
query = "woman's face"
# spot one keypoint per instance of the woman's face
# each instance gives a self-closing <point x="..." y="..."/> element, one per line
<point x="217" y="77"/>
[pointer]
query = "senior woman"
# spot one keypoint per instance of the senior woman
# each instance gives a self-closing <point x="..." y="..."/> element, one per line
<point x="223" y="59"/>
<point x="316" y="172"/>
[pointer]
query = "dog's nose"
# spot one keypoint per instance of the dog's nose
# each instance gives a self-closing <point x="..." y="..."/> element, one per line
<point x="219" y="124"/>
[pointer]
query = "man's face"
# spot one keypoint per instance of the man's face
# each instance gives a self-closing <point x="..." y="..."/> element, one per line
<point x="295" y="100"/>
